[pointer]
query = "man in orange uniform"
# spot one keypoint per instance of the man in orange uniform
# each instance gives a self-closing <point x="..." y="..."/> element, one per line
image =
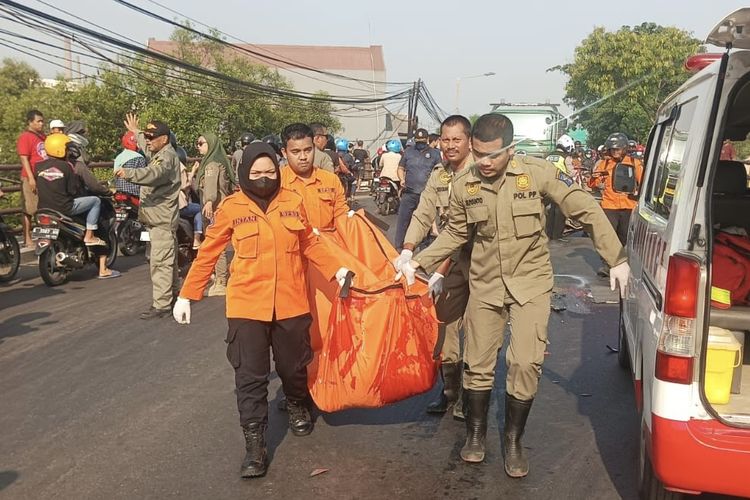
<point x="266" y="298"/>
<point x="617" y="206"/>
<point x="321" y="191"/>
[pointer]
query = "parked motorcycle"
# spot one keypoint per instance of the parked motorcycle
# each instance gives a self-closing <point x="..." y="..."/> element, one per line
<point x="387" y="198"/>
<point x="10" y="252"/>
<point x="127" y="226"/>
<point x="60" y="247"/>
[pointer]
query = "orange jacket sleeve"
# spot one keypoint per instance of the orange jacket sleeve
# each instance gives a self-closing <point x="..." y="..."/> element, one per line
<point x="218" y="234"/>
<point x="594" y="180"/>
<point x="315" y="251"/>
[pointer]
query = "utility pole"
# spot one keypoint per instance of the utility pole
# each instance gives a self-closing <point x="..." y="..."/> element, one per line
<point x="69" y="58"/>
<point x="413" y="104"/>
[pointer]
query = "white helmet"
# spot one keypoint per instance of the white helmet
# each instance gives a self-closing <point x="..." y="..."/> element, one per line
<point x="566" y="143"/>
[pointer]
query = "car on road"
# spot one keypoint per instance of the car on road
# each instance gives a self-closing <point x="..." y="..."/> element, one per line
<point x="680" y="334"/>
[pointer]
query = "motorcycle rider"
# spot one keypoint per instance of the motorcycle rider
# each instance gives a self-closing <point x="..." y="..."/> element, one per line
<point x="389" y="161"/>
<point x="245" y="139"/>
<point x="59" y="188"/>
<point x="321" y="158"/>
<point x="129" y="157"/>
<point x="344" y="167"/>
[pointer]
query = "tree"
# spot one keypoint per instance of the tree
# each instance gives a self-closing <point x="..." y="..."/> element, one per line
<point x="617" y="80"/>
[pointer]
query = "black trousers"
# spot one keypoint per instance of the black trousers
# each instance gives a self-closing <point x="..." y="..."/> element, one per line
<point x="555" y="221"/>
<point x="249" y="343"/>
<point x="620" y="219"/>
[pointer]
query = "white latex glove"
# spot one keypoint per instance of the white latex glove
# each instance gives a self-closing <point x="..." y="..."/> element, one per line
<point x="409" y="271"/>
<point x="350" y="213"/>
<point x="405" y="257"/>
<point x="619" y="275"/>
<point x="181" y="311"/>
<point x="341" y="276"/>
<point x="435" y="285"/>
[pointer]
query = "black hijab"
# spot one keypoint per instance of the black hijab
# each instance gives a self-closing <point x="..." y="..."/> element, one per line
<point x="252" y="152"/>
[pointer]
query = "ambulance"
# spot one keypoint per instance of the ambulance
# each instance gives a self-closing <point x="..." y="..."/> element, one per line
<point x="685" y="320"/>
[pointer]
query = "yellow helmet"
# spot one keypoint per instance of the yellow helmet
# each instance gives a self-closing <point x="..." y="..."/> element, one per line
<point x="55" y="144"/>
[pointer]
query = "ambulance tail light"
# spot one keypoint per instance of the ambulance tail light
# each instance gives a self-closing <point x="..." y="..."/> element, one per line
<point x="676" y="348"/>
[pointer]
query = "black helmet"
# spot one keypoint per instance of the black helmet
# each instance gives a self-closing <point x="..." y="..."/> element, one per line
<point x="247" y="138"/>
<point x="618" y="140"/>
<point x="181" y="154"/>
<point x="274" y="141"/>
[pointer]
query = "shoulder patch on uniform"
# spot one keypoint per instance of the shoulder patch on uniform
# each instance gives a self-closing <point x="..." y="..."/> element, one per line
<point x="565" y="178"/>
<point x="523" y="182"/>
<point x="472" y="188"/>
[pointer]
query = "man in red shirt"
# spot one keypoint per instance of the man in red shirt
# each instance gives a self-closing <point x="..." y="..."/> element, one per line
<point x="30" y="148"/>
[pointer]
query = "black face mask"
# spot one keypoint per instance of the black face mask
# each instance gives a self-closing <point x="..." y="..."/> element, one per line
<point x="420" y="146"/>
<point x="264" y="187"/>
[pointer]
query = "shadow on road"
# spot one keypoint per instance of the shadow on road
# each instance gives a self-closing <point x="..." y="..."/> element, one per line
<point x="7" y="477"/>
<point x="19" y="325"/>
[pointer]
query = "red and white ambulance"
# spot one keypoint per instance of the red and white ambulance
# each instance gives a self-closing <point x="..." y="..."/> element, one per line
<point x="683" y="329"/>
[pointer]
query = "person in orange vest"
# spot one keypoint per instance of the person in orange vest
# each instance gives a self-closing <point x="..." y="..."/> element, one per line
<point x="322" y="193"/>
<point x="266" y="301"/>
<point x="617" y="206"/>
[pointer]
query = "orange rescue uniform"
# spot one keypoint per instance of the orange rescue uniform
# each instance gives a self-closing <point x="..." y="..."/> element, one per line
<point x="610" y="199"/>
<point x="323" y="195"/>
<point x="267" y="277"/>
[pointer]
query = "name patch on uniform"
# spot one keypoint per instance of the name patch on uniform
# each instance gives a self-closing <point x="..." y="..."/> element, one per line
<point x="523" y="182"/>
<point x="289" y="213"/>
<point x="472" y="189"/>
<point x="565" y="178"/>
<point x="326" y="190"/>
<point x="445" y="177"/>
<point x="474" y="201"/>
<point x="441" y="189"/>
<point x="242" y="220"/>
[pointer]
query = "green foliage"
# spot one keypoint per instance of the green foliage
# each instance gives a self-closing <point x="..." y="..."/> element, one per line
<point x="617" y="80"/>
<point x="189" y="104"/>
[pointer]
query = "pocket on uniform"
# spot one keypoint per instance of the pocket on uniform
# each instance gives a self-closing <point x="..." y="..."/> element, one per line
<point x="247" y="241"/>
<point x="233" y="347"/>
<point x="527" y="217"/>
<point x="480" y="216"/>
<point x="295" y="227"/>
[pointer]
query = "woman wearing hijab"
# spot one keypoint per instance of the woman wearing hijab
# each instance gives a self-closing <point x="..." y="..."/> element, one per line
<point x="214" y="180"/>
<point x="267" y="307"/>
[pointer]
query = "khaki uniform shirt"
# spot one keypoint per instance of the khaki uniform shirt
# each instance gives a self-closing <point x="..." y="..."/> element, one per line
<point x="322" y="160"/>
<point x="160" y="187"/>
<point x="505" y="218"/>
<point x="433" y="205"/>
<point x="214" y="185"/>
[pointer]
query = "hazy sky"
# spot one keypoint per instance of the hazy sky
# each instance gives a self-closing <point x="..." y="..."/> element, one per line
<point x="437" y="41"/>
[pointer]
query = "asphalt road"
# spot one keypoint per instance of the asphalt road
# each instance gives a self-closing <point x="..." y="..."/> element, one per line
<point x="99" y="404"/>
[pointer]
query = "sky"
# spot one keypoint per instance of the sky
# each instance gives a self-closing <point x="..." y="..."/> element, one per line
<point x="439" y="42"/>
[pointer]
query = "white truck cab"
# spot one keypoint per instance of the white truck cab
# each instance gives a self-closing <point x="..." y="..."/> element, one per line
<point x="681" y="349"/>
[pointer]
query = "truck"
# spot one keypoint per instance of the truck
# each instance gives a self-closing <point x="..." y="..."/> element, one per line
<point x="536" y="127"/>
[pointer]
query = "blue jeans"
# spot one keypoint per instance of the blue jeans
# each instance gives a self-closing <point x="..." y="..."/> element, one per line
<point x="91" y="205"/>
<point x="406" y="207"/>
<point x="193" y="210"/>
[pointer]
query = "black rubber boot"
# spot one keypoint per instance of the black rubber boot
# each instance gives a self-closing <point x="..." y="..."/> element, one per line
<point x="516" y="413"/>
<point x="458" y="408"/>
<point x="451" y="375"/>
<point x="300" y="421"/>
<point x="476" y="404"/>
<point x="255" y="463"/>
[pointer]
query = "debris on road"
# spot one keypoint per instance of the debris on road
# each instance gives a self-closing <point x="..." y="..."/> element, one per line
<point x="318" y="472"/>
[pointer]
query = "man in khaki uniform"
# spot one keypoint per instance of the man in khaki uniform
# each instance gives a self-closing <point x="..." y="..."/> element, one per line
<point x="160" y="187"/>
<point x="498" y="205"/>
<point x="320" y="158"/>
<point x="449" y="283"/>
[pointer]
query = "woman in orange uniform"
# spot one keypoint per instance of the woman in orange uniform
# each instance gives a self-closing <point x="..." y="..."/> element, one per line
<point x="267" y="307"/>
